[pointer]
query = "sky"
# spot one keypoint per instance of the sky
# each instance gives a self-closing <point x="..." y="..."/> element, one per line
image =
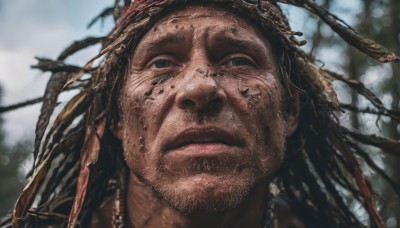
<point x="43" y="28"/>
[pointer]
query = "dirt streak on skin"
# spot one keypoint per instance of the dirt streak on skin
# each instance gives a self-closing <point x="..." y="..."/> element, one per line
<point x="201" y="87"/>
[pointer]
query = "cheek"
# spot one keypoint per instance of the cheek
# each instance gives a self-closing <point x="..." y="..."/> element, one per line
<point x="271" y="116"/>
<point x="263" y="103"/>
<point x="273" y="131"/>
<point x="261" y="100"/>
<point x="138" y="107"/>
<point x="133" y="130"/>
<point x="140" y="120"/>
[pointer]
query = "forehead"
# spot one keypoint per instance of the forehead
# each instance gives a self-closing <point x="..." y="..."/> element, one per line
<point x="212" y="12"/>
<point x="211" y="17"/>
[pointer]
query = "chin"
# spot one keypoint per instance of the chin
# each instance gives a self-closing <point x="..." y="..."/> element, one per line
<point x="207" y="193"/>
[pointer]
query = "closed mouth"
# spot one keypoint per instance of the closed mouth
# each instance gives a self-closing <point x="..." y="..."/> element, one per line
<point x="202" y="136"/>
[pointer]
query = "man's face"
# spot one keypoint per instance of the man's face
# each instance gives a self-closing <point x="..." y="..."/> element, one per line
<point x="201" y="116"/>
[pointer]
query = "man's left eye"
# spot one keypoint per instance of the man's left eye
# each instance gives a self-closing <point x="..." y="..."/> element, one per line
<point x="238" y="62"/>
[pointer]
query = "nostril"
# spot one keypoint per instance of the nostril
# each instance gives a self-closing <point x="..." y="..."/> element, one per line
<point x="187" y="103"/>
<point x="214" y="103"/>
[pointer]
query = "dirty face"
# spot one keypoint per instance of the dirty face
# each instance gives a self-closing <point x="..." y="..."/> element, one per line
<point x="201" y="113"/>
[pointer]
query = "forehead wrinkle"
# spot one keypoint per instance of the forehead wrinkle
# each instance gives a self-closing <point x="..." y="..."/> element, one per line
<point x="190" y="11"/>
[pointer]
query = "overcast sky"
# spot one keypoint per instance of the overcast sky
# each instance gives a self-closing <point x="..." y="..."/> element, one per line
<point x="30" y="28"/>
<point x="43" y="28"/>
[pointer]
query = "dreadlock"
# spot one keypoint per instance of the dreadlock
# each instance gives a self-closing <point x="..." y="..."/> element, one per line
<point x="74" y="171"/>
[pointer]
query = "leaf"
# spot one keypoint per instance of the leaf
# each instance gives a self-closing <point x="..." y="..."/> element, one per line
<point x="74" y="77"/>
<point x="53" y="89"/>
<point x="66" y="116"/>
<point x="79" y="45"/>
<point x="106" y="12"/>
<point x="129" y="32"/>
<point x="387" y="145"/>
<point x="373" y="166"/>
<point x="363" y="44"/>
<point x="395" y="115"/>
<point x="54" y="66"/>
<point x="27" y="196"/>
<point x="89" y="155"/>
<point x="48" y="215"/>
<point x="20" y="105"/>
<point x="80" y="195"/>
<point x="359" y="87"/>
<point x="360" y="179"/>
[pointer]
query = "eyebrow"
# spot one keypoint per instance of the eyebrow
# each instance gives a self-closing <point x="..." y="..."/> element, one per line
<point x="257" y="48"/>
<point x="166" y="40"/>
<point x="238" y="43"/>
<point x="226" y="38"/>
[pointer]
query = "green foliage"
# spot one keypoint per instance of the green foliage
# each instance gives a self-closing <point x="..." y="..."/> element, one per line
<point x="12" y="170"/>
<point x="13" y="167"/>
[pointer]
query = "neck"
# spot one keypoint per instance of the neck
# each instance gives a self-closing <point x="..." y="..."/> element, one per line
<point x="146" y="209"/>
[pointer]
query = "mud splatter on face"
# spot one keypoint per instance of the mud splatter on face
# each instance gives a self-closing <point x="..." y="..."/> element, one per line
<point x="156" y="82"/>
<point x="206" y="119"/>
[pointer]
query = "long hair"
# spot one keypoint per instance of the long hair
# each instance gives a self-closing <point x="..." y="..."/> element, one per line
<point x="78" y="161"/>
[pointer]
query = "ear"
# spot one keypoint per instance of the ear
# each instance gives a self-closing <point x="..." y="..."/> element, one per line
<point x="116" y="129"/>
<point x="292" y="107"/>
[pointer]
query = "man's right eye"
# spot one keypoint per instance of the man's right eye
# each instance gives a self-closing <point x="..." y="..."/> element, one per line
<point x="162" y="63"/>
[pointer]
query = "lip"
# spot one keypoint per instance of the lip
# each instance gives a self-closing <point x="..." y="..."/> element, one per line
<point x="202" y="140"/>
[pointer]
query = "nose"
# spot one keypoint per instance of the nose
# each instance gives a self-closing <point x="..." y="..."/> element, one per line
<point x="200" y="91"/>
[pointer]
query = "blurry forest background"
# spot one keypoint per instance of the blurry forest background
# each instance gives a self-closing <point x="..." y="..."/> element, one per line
<point x="377" y="19"/>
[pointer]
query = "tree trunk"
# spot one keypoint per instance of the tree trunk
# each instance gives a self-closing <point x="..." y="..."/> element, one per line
<point x="391" y="207"/>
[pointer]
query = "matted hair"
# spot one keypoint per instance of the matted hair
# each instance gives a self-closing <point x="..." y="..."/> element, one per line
<point x="78" y="161"/>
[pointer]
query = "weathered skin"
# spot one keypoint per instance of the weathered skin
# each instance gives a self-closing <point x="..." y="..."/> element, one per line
<point x="201" y="122"/>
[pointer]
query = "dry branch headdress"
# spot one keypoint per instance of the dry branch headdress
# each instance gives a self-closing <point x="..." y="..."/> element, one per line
<point x="74" y="168"/>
